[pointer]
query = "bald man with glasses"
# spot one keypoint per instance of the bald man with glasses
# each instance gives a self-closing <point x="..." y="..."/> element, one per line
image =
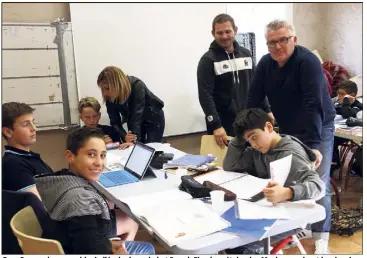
<point x="292" y="78"/>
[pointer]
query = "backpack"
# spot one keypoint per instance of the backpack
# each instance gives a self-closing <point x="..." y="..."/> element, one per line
<point x="338" y="74"/>
<point x="346" y="221"/>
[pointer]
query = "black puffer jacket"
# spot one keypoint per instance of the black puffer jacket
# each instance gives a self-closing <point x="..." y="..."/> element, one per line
<point x="142" y="106"/>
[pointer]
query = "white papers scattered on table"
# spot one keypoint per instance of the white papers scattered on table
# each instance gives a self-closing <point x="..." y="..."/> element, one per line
<point x="260" y="210"/>
<point x="140" y="203"/>
<point x="175" y="216"/>
<point x="183" y="220"/>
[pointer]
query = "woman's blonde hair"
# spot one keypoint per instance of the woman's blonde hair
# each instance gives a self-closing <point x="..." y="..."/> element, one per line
<point x="118" y="83"/>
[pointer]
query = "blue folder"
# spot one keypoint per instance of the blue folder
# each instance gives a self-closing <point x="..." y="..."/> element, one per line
<point x="191" y="160"/>
<point x="247" y="227"/>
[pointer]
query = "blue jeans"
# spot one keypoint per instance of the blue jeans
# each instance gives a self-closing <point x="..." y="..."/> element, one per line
<point x="326" y="149"/>
<point x="135" y="247"/>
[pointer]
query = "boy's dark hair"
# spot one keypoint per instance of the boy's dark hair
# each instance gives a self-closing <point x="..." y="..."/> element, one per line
<point x="12" y="110"/>
<point x="250" y="119"/>
<point x="222" y="18"/>
<point x="350" y="87"/>
<point x="77" y="138"/>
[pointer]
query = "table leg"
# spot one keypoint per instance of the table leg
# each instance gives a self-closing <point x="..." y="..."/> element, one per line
<point x="266" y="242"/>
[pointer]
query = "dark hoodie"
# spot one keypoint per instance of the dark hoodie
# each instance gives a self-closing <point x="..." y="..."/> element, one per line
<point x="223" y="81"/>
<point x="302" y="179"/>
<point x="80" y="217"/>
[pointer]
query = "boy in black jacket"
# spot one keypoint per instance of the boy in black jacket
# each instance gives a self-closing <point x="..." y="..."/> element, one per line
<point x="347" y="106"/>
<point x="346" y="103"/>
<point x="80" y="216"/>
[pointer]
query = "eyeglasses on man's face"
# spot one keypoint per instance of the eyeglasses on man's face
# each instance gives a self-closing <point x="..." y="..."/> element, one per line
<point x="282" y="41"/>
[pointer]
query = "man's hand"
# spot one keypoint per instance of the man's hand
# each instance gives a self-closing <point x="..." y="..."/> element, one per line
<point x="272" y="118"/>
<point x="125" y="145"/>
<point x="130" y="137"/>
<point x="221" y="137"/>
<point x="276" y="193"/>
<point x="118" y="247"/>
<point x="318" y="158"/>
<point x="107" y="139"/>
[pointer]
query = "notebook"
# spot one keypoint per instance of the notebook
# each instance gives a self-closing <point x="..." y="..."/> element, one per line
<point x="134" y="170"/>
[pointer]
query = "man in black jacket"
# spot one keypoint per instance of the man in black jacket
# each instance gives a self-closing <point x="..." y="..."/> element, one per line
<point x="224" y="75"/>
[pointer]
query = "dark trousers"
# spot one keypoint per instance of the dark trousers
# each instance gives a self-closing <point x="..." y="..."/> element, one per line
<point x="227" y="118"/>
<point x="152" y="131"/>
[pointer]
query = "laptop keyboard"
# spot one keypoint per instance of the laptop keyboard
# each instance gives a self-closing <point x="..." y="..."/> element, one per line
<point x="115" y="178"/>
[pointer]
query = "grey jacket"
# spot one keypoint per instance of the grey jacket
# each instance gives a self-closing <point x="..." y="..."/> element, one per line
<point x="304" y="181"/>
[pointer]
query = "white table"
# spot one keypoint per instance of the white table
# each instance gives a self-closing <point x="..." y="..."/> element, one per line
<point x="210" y="244"/>
<point x="351" y="133"/>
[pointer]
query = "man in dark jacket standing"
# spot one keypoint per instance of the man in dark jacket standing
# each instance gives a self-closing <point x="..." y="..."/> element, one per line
<point x="224" y="75"/>
<point x="292" y="79"/>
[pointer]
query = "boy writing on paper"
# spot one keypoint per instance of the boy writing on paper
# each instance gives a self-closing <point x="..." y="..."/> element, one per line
<point x="89" y="112"/>
<point x="255" y="127"/>
<point x="81" y="219"/>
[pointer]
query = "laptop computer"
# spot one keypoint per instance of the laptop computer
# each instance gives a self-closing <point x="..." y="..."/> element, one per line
<point x="137" y="166"/>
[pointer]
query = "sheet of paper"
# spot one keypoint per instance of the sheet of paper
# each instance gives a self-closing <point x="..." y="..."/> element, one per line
<point x="247" y="186"/>
<point x="112" y="158"/>
<point x="142" y="202"/>
<point x="219" y="177"/>
<point x="165" y="147"/>
<point x="279" y="169"/>
<point x="183" y="220"/>
<point x="260" y="210"/>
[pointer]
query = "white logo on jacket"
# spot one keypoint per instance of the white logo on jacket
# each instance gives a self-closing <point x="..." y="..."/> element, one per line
<point x="226" y="66"/>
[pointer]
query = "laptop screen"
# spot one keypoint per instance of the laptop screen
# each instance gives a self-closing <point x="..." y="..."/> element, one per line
<point x="139" y="159"/>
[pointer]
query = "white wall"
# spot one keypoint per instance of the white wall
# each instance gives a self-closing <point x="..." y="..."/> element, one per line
<point x="334" y="29"/>
<point x="159" y="43"/>
<point x="253" y="17"/>
<point x="342" y="42"/>
<point x="309" y="20"/>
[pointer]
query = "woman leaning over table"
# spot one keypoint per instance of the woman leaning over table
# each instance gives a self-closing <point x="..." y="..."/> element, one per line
<point x="128" y="100"/>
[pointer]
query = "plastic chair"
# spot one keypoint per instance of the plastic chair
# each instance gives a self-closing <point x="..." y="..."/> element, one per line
<point x="209" y="146"/>
<point x="28" y="231"/>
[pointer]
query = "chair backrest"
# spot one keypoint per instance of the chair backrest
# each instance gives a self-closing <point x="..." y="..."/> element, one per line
<point x="28" y="231"/>
<point x="210" y="146"/>
<point x="12" y="202"/>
